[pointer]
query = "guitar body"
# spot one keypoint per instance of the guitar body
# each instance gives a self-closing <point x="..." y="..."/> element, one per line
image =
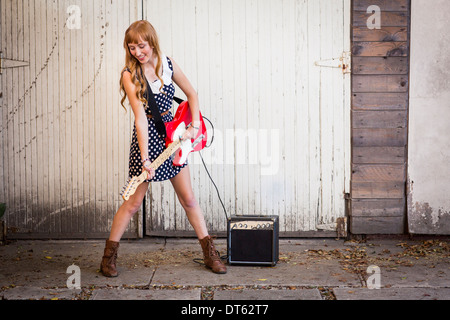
<point x="177" y="127"/>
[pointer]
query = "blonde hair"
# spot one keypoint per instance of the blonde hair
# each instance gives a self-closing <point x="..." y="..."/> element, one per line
<point x="140" y="31"/>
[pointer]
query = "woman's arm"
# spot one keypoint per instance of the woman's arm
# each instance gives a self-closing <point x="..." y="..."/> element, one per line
<point x="141" y="121"/>
<point x="184" y="84"/>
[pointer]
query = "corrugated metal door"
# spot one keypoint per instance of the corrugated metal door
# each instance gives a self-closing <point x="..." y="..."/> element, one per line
<point x="281" y="116"/>
<point x="64" y="136"/>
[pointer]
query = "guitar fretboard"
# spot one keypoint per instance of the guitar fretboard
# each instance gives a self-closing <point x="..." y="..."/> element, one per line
<point x="165" y="155"/>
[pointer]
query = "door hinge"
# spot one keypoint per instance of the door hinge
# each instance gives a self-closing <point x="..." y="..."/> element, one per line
<point x="343" y="62"/>
<point x="9" y="63"/>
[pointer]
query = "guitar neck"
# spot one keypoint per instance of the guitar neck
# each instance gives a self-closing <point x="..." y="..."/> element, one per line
<point x="134" y="182"/>
<point x="165" y="155"/>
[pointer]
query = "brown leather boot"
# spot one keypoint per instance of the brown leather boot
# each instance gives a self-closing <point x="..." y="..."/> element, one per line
<point x="211" y="257"/>
<point x="108" y="265"/>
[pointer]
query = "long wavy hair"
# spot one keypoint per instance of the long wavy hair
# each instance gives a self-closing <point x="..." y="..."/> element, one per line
<point x="140" y="31"/>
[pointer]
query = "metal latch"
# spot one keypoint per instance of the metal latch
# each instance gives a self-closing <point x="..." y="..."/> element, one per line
<point x="343" y="62"/>
<point x="9" y="63"/>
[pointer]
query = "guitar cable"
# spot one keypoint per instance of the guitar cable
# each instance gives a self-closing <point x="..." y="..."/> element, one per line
<point x="206" y="169"/>
<point x="225" y="257"/>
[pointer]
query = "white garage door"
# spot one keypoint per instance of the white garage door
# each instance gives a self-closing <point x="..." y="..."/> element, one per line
<point x="263" y="70"/>
<point x="270" y="79"/>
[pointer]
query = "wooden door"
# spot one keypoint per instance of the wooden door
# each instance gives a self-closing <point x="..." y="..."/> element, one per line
<point x="64" y="136"/>
<point x="270" y="79"/>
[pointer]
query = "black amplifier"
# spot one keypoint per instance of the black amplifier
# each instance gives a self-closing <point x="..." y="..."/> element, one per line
<point x="253" y="240"/>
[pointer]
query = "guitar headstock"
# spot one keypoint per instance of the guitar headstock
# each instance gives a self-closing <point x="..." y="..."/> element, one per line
<point x="130" y="187"/>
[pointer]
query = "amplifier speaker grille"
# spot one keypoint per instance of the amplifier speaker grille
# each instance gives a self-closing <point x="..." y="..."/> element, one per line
<point x="253" y="240"/>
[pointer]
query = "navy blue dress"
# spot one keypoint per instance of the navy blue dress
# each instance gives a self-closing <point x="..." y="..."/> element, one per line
<point x="156" y="145"/>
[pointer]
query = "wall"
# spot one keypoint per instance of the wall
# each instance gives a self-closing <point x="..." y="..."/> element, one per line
<point x="429" y="130"/>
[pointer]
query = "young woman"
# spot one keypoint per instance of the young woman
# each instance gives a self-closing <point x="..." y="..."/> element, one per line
<point x="148" y="71"/>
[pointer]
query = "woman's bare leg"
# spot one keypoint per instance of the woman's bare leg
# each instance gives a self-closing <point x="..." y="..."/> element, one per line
<point x="126" y="212"/>
<point x="183" y="188"/>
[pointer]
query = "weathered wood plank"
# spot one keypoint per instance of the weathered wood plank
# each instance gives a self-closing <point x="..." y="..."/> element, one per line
<point x="379" y="119"/>
<point x="386" y="34"/>
<point x="378" y="172"/>
<point x="378" y="207"/>
<point x="377" y="190"/>
<point x="393" y="155"/>
<point x="388" y="19"/>
<point x="379" y="137"/>
<point x="385" y="5"/>
<point x="380" y="83"/>
<point x="380" y="100"/>
<point x="380" y="65"/>
<point x="380" y="49"/>
<point x="377" y="225"/>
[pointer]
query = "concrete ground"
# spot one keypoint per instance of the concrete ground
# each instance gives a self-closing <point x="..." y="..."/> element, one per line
<point x="163" y="269"/>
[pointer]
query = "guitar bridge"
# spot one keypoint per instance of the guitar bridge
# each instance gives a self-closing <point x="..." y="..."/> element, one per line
<point x="197" y="141"/>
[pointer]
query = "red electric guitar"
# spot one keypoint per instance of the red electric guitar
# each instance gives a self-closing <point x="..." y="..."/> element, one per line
<point x="174" y="145"/>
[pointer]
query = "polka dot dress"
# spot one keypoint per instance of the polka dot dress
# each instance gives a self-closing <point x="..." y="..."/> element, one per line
<point x="156" y="145"/>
